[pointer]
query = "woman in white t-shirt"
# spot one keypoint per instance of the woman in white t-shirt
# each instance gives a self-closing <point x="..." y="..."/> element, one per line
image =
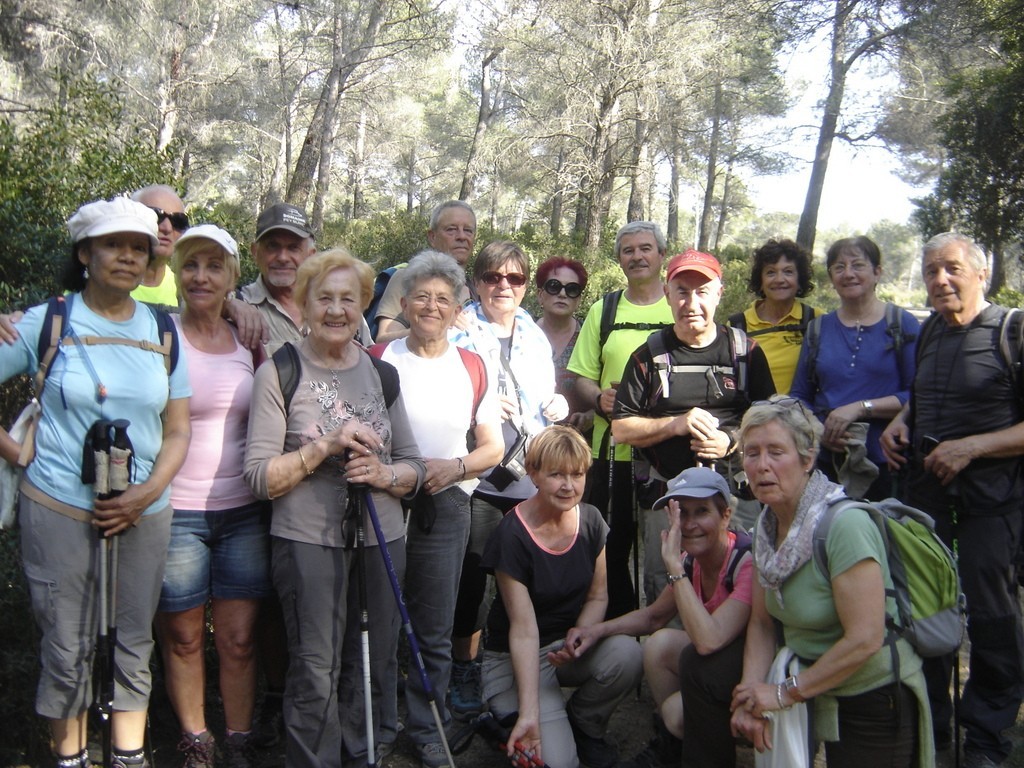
<point x="447" y="395"/>
<point x="220" y="545"/>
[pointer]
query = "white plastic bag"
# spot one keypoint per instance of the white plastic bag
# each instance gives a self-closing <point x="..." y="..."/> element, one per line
<point x="10" y="474"/>
<point x="789" y="726"/>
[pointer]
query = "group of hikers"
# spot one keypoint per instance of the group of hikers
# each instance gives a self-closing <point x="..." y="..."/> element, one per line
<point x="289" y="471"/>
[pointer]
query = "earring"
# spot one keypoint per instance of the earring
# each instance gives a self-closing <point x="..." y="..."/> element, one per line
<point x="85" y="273"/>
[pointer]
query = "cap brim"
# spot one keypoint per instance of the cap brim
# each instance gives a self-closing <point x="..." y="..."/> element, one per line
<point x="286" y="228"/>
<point x="709" y="273"/>
<point x="114" y="224"/>
<point x="695" y="493"/>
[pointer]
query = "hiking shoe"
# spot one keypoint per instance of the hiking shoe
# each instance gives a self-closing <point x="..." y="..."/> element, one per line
<point x="81" y="760"/>
<point x="663" y="750"/>
<point x="432" y="755"/>
<point x="594" y="752"/>
<point x="464" y="691"/>
<point x="238" y="751"/>
<point x="133" y="760"/>
<point x="198" y="750"/>
<point x="268" y="731"/>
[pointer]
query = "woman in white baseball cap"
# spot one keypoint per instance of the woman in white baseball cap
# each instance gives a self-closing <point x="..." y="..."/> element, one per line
<point x="114" y="360"/>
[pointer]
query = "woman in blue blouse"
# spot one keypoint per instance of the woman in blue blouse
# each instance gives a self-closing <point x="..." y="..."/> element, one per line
<point x="860" y="369"/>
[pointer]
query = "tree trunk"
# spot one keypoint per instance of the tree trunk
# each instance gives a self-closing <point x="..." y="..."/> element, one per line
<point x="675" y="165"/>
<point x="635" y="208"/>
<point x="357" y="172"/>
<point x="723" y="208"/>
<point x="603" y="162"/>
<point x="997" y="272"/>
<point x="485" y="116"/>
<point x="558" y="198"/>
<point x="704" y="235"/>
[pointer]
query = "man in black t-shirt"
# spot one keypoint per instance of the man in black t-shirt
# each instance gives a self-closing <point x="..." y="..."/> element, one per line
<point x="961" y="439"/>
<point x="685" y="390"/>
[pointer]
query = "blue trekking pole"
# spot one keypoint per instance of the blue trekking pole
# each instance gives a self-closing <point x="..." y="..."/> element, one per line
<point x="414" y="646"/>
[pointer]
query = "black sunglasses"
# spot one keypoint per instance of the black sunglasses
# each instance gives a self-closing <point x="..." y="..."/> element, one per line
<point x="555" y="287"/>
<point x="515" y="279"/>
<point x="179" y="221"/>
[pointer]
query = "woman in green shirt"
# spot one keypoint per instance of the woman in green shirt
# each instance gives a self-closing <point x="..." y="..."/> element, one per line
<point x="863" y="713"/>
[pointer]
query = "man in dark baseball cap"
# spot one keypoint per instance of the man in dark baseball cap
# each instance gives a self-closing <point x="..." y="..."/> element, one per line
<point x="283" y="216"/>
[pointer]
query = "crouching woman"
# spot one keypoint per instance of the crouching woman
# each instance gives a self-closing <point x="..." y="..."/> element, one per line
<point x="548" y="557"/>
<point x="867" y="709"/>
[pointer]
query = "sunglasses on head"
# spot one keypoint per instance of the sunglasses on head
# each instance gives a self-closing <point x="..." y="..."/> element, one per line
<point x="554" y="287"/>
<point x="179" y="221"/>
<point x="515" y="279"/>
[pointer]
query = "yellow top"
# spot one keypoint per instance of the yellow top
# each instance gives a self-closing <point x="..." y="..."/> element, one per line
<point x="781" y="347"/>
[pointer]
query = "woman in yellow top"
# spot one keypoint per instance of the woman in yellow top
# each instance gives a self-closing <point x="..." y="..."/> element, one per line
<point x="780" y="274"/>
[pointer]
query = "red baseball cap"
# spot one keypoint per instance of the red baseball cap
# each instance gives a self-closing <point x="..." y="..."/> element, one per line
<point x="694" y="261"/>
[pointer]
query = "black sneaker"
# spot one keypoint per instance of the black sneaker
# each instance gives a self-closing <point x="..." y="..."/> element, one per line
<point x="238" y="751"/>
<point x="594" y="752"/>
<point x="464" y="690"/>
<point x="198" y="751"/>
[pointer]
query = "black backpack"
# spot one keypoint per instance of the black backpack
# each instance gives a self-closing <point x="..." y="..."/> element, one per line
<point x="286" y="360"/>
<point x="807" y="313"/>
<point x="609" y="308"/>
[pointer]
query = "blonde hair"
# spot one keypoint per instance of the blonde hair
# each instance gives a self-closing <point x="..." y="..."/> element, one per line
<point x="558" y="448"/>
<point x="191" y="247"/>
<point x="314" y="269"/>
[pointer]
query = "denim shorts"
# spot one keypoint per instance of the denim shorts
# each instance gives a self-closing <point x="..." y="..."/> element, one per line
<point x="224" y="553"/>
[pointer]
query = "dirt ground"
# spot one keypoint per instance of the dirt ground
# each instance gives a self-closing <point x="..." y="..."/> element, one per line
<point x="630" y="729"/>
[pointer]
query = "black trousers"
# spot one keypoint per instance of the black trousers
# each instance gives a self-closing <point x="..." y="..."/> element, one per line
<point x="621" y="519"/>
<point x="706" y="683"/>
<point x="987" y="547"/>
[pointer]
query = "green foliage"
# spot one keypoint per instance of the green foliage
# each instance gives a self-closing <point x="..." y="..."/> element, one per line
<point x="383" y="240"/>
<point x="23" y="738"/>
<point x="84" y="148"/>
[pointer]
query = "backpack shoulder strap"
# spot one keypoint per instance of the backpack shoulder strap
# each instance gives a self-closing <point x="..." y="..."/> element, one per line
<point x="477" y="375"/>
<point x="389" y="382"/>
<point x="1011" y="346"/>
<point x="168" y="337"/>
<point x="806" y="315"/>
<point x="609" y="308"/>
<point x="50" y="335"/>
<point x="377" y="350"/>
<point x="286" y="360"/>
<point x="812" y="340"/>
<point x="739" y="345"/>
<point x="739" y="320"/>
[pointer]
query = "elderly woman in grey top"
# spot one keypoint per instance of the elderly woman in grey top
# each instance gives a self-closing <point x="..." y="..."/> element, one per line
<point x="343" y="423"/>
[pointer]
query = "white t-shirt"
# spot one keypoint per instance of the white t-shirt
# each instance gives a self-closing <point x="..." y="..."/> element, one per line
<point x="438" y="394"/>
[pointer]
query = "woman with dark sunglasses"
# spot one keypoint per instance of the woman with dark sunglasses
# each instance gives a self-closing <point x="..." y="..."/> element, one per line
<point x="518" y="358"/>
<point x="560" y="285"/>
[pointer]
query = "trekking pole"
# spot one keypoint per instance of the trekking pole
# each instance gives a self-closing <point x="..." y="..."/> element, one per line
<point x="956" y="653"/>
<point x="354" y="508"/>
<point x="414" y="646"/>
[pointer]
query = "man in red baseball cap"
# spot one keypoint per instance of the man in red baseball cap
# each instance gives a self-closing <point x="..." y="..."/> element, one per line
<point x="684" y="392"/>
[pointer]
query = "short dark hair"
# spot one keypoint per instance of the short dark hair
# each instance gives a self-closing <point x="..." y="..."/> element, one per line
<point x="864" y="245"/>
<point x="558" y="262"/>
<point x="770" y="253"/>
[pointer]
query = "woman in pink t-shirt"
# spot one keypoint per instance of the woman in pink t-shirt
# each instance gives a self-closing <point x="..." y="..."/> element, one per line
<point x="709" y="571"/>
<point x="220" y="543"/>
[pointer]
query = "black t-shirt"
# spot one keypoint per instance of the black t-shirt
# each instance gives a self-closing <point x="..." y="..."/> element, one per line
<point x="558" y="582"/>
<point x="964" y="387"/>
<point x="640" y="393"/>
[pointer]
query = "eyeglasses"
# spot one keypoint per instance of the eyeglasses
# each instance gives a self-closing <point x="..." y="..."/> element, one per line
<point x="179" y="220"/>
<point x="443" y="303"/>
<point x="783" y="401"/>
<point x="515" y="279"/>
<point x="857" y="267"/>
<point x="555" y="287"/>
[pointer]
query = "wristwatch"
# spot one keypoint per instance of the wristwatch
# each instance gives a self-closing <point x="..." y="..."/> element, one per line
<point x="792" y="686"/>
<point x="672" y="578"/>
<point x="867" y="405"/>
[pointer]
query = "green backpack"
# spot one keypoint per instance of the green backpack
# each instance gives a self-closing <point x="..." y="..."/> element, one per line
<point x="926" y="588"/>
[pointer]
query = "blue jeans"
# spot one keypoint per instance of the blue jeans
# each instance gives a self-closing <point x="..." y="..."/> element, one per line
<point x="433" y="566"/>
<point x="223" y="553"/>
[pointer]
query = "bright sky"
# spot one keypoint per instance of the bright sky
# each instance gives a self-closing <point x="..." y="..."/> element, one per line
<point x="860" y="186"/>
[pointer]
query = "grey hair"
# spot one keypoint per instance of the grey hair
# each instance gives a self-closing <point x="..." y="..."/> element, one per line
<point x="138" y="194"/>
<point x="435" y="215"/>
<point x="801" y="424"/>
<point x="428" y="264"/>
<point x="975" y="254"/>
<point x="635" y="227"/>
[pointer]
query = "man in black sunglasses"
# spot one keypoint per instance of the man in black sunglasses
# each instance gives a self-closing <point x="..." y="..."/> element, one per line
<point x="158" y="286"/>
